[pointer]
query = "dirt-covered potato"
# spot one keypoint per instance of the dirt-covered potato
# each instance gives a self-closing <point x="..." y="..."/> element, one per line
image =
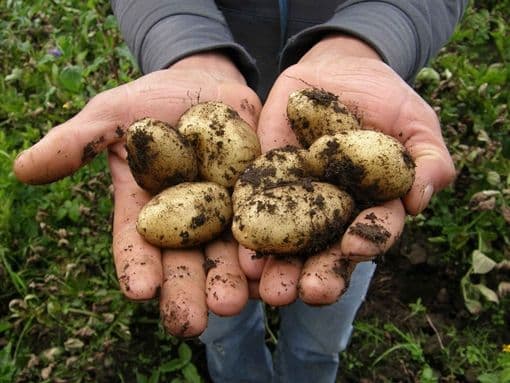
<point x="224" y="143"/>
<point x="185" y="215"/>
<point x="274" y="168"/>
<point x="371" y="165"/>
<point x="294" y="201"/>
<point x="158" y="155"/>
<point x="300" y="218"/>
<point x="315" y="112"/>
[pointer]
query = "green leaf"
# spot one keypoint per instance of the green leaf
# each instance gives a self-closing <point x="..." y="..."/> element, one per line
<point x="140" y="378"/>
<point x="154" y="377"/>
<point x="110" y="22"/>
<point x="428" y="75"/>
<point x="427" y="375"/>
<point x="482" y="264"/>
<point x="15" y="74"/>
<point x="504" y="375"/>
<point x="185" y="352"/>
<point x="7" y="365"/>
<point x="489" y="378"/>
<point x="173" y="365"/>
<point x="473" y="306"/>
<point x="493" y="178"/>
<point x="4" y="326"/>
<point x="487" y="293"/>
<point x="71" y="78"/>
<point x="191" y="374"/>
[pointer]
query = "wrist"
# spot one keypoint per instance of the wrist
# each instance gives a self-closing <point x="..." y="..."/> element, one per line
<point x="339" y="46"/>
<point x="217" y="64"/>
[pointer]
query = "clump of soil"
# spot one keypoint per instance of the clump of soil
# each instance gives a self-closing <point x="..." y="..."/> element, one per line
<point x="91" y="149"/>
<point x="141" y="141"/>
<point x="372" y="232"/>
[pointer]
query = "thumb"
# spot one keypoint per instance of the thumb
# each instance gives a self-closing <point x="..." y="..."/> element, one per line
<point x="434" y="169"/>
<point x="273" y="128"/>
<point x="74" y="143"/>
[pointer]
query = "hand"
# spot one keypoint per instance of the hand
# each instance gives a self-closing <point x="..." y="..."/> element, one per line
<point x="186" y="291"/>
<point x="351" y="69"/>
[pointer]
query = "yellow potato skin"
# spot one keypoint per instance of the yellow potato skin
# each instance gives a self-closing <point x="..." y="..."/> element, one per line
<point x="371" y="165"/>
<point x="313" y="113"/>
<point x="158" y="155"/>
<point x="185" y="215"/>
<point x="224" y="143"/>
<point x="299" y="218"/>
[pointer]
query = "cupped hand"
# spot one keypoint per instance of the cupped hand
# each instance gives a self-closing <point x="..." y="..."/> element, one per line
<point x="187" y="290"/>
<point x="351" y="69"/>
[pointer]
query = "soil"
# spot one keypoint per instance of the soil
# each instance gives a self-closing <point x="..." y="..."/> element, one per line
<point x="372" y="232"/>
<point x="209" y="264"/>
<point x="91" y="150"/>
<point x="140" y="161"/>
<point x="255" y="175"/>
<point x="119" y="132"/>
<point x="324" y="98"/>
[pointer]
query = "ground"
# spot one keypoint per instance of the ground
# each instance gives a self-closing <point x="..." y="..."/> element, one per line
<point x="437" y="310"/>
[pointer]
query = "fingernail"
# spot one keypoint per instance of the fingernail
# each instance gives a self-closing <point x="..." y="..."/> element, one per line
<point x="425" y="197"/>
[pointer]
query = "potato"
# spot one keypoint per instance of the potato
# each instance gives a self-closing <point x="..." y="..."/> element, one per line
<point x="292" y="201"/>
<point x="315" y="112"/>
<point x="158" y="155"/>
<point x="300" y="218"/>
<point x="370" y="165"/>
<point x="185" y="215"/>
<point x="274" y="168"/>
<point x="224" y="143"/>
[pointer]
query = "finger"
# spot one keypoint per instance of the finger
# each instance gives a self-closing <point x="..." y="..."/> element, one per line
<point x="278" y="284"/>
<point x="226" y="284"/>
<point x="138" y="263"/>
<point x="247" y="105"/>
<point x="274" y="129"/>
<point x="70" y="145"/>
<point x="183" y="301"/>
<point x="325" y="277"/>
<point x="373" y="231"/>
<point x="434" y="171"/>
<point x="251" y="264"/>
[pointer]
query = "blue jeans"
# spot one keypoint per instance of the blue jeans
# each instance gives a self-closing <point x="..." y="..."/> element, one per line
<point x="309" y="340"/>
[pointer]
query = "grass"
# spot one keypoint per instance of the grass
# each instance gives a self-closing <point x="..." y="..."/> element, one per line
<point x="62" y="317"/>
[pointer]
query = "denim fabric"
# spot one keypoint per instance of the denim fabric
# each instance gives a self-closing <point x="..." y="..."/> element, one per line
<point x="235" y="347"/>
<point x="309" y="340"/>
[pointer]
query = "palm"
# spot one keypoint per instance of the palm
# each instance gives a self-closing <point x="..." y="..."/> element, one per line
<point x="385" y="103"/>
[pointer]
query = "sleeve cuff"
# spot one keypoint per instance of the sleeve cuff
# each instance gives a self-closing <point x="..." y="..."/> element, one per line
<point x="381" y="25"/>
<point x="174" y="38"/>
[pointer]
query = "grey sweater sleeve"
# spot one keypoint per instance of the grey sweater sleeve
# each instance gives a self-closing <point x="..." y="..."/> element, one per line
<point x="406" y="34"/>
<point x="160" y="32"/>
